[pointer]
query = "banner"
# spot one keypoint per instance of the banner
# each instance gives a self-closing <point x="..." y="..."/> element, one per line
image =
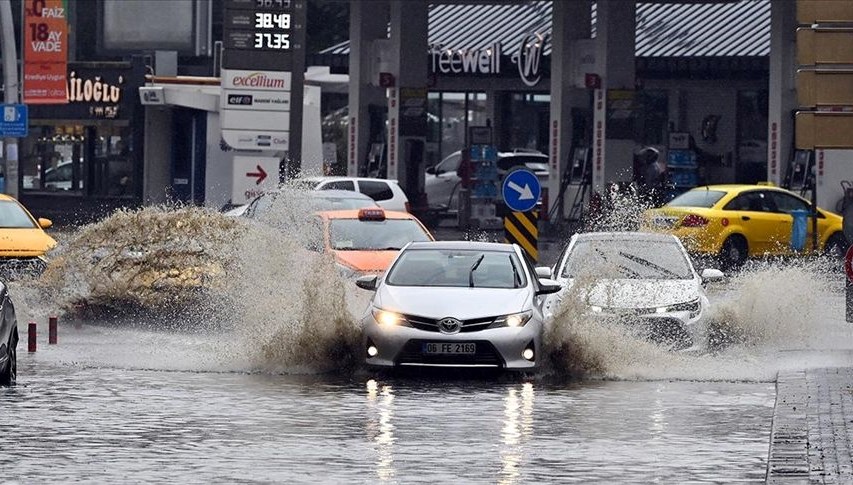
<point x="45" y="51"/>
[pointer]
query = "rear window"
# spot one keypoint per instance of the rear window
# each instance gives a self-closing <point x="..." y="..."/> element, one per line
<point x="697" y="198"/>
<point x="375" y="190"/>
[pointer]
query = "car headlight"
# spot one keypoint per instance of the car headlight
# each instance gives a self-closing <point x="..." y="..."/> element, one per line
<point x="690" y="306"/>
<point x="513" y="320"/>
<point x="386" y="318"/>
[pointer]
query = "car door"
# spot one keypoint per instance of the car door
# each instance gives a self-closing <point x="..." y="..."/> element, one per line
<point x="785" y="204"/>
<point x="754" y="212"/>
<point x="441" y="183"/>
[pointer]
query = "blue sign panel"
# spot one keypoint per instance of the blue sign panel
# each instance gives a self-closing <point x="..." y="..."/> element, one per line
<point x="15" y="122"/>
<point x="521" y="190"/>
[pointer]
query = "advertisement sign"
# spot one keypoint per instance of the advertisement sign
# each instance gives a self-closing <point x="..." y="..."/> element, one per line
<point x="253" y="176"/>
<point x="15" y="121"/>
<point x="45" y="51"/>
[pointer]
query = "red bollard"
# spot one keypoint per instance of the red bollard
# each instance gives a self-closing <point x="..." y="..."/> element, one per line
<point x="31" y="337"/>
<point x="51" y="329"/>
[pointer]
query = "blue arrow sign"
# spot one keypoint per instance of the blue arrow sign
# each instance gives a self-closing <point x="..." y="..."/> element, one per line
<point x="15" y="121"/>
<point x="521" y="190"/>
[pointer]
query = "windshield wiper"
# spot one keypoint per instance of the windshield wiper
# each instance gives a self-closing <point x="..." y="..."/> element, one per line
<point x="473" y="268"/>
<point x="648" y="264"/>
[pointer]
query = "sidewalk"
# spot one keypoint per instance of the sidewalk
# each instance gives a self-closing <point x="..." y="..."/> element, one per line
<point x="812" y="436"/>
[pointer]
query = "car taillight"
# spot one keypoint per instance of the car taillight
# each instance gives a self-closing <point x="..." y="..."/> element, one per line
<point x="692" y="220"/>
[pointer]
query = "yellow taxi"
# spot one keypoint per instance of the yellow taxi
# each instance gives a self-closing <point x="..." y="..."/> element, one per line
<point x="733" y="222"/>
<point x="366" y="241"/>
<point x="23" y="242"/>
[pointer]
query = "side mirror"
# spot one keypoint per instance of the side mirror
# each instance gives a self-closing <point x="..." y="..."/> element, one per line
<point x="548" y="286"/>
<point x="44" y="223"/>
<point x="431" y="170"/>
<point x="543" y="272"/>
<point x="712" y="275"/>
<point x="367" y="282"/>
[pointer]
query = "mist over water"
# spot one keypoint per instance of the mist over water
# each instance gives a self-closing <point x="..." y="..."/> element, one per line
<point x="182" y="288"/>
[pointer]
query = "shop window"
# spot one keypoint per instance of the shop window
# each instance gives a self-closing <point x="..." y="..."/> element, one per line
<point x="655" y="119"/>
<point x="78" y="159"/>
<point x="526" y="126"/>
<point x="449" y="116"/>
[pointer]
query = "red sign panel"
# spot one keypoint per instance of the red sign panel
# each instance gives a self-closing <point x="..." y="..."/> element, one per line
<point x="45" y="51"/>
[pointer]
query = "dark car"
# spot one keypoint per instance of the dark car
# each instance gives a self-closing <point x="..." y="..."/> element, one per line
<point x="8" y="339"/>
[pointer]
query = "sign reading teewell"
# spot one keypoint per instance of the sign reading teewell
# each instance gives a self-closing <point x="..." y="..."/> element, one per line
<point x="262" y="75"/>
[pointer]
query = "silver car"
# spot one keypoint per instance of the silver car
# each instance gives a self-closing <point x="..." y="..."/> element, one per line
<point x="643" y="280"/>
<point x="456" y="304"/>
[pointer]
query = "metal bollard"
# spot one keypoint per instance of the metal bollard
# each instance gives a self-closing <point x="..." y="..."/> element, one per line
<point x="31" y="337"/>
<point x="51" y="329"/>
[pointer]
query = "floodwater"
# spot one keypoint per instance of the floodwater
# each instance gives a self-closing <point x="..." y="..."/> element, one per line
<point x="254" y="378"/>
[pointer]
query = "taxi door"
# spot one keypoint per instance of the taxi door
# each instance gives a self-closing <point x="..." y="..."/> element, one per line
<point x="754" y="213"/>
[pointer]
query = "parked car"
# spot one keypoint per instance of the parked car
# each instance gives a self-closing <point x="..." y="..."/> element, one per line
<point x="386" y="192"/>
<point x="442" y="183"/>
<point x="733" y="222"/>
<point x="8" y="339"/>
<point x="366" y="241"/>
<point x="646" y="281"/>
<point x="23" y="242"/>
<point x="457" y="303"/>
<point x="310" y="200"/>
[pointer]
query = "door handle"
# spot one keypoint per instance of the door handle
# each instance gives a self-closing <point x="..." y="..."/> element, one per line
<point x="744" y="218"/>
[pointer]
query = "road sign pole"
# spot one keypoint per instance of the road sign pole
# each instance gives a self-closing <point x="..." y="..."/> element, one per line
<point x="10" y="71"/>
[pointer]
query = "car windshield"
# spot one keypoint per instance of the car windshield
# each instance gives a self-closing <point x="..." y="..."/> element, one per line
<point x="389" y="234"/>
<point x="697" y="198"/>
<point x="12" y="215"/>
<point x="457" y="268"/>
<point x="627" y="259"/>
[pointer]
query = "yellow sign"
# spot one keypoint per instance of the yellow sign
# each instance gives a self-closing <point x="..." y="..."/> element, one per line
<point x="521" y="228"/>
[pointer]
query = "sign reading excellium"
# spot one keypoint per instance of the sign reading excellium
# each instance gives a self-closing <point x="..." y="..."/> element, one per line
<point x="487" y="61"/>
<point x="258" y="73"/>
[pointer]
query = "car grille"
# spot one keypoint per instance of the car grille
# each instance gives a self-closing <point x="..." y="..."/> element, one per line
<point x="16" y="267"/>
<point x="486" y="355"/>
<point x="628" y="312"/>
<point x="431" y="324"/>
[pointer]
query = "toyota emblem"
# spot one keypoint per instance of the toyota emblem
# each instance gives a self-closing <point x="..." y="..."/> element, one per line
<point x="449" y="325"/>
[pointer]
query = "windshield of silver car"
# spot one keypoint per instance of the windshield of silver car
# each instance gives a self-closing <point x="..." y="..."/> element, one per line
<point x="626" y="259"/>
<point x="457" y="268"/>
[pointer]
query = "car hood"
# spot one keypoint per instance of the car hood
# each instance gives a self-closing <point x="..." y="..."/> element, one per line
<point x="629" y="293"/>
<point x="366" y="261"/>
<point x="461" y="303"/>
<point x="24" y="242"/>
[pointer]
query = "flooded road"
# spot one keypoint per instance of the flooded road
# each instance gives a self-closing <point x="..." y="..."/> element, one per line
<point x="252" y="374"/>
<point x="66" y="421"/>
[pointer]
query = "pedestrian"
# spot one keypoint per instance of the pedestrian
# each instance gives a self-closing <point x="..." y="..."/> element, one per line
<point x="654" y="176"/>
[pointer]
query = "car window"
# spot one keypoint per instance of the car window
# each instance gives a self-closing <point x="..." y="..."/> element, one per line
<point x="528" y="161"/>
<point x="457" y="268"/>
<point x="358" y="235"/>
<point x="754" y="201"/>
<point x="697" y="198"/>
<point x="449" y="164"/>
<point x="626" y="259"/>
<point x="12" y="215"/>
<point x="376" y="190"/>
<point x="338" y="185"/>
<point x="787" y="203"/>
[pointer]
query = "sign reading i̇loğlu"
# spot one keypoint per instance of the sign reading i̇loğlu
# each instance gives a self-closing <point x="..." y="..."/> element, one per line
<point x="45" y="51"/>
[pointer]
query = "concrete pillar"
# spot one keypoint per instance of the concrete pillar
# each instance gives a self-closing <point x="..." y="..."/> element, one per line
<point x="782" y="94"/>
<point x="157" y="153"/>
<point x="571" y="22"/>
<point x="368" y="23"/>
<point x="615" y="48"/>
<point x="407" y="100"/>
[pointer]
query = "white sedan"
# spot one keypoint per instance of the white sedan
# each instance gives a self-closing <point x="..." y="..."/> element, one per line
<point x="644" y="281"/>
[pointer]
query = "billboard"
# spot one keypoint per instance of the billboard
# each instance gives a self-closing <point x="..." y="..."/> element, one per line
<point x="45" y="51"/>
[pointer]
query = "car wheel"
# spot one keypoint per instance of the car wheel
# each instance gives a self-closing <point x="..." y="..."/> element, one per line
<point x="734" y="252"/>
<point x="9" y="374"/>
<point x="836" y="246"/>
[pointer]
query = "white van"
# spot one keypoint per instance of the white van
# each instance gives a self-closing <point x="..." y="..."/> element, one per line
<point x="387" y="193"/>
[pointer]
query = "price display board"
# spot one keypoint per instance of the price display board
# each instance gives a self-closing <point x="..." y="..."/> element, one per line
<point x="263" y="34"/>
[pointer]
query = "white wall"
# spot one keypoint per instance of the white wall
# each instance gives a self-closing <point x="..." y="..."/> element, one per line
<point x="218" y="176"/>
<point x="157" y="165"/>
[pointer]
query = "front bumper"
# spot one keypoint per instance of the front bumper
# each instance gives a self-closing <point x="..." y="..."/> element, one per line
<point x="676" y="328"/>
<point x="502" y="348"/>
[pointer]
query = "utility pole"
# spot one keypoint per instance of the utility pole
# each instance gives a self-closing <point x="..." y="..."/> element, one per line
<point x="10" y="77"/>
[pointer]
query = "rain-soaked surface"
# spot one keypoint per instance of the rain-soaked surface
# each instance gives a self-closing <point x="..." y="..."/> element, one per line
<point x="242" y="368"/>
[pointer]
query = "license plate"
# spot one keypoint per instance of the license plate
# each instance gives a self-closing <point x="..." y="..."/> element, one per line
<point x="664" y="222"/>
<point x="449" y="348"/>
